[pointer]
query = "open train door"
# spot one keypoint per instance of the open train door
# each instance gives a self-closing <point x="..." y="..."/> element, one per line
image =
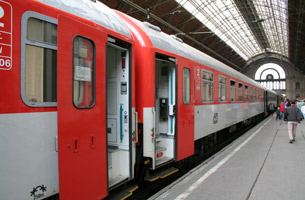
<point x="165" y="126"/>
<point x="174" y="115"/>
<point x="81" y="111"/>
<point x="119" y="117"/>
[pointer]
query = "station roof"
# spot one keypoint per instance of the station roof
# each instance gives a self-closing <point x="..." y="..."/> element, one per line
<point x="236" y="32"/>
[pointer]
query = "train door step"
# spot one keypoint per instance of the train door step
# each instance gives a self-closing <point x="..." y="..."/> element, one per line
<point x="160" y="173"/>
<point x="163" y="160"/>
<point x="118" y="179"/>
<point x="112" y="149"/>
<point x="126" y="192"/>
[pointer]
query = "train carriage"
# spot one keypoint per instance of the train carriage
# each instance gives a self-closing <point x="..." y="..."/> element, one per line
<point x="67" y="108"/>
<point x="184" y="95"/>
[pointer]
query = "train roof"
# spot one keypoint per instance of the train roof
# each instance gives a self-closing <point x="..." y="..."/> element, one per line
<point x="93" y="11"/>
<point x="268" y="90"/>
<point x="175" y="45"/>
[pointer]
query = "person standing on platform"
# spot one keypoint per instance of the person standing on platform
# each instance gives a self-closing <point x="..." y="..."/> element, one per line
<point x="288" y="104"/>
<point x="282" y="109"/>
<point x="303" y="109"/>
<point x="299" y="104"/>
<point x="293" y="116"/>
<point x="287" y="101"/>
<point x="278" y="113"/>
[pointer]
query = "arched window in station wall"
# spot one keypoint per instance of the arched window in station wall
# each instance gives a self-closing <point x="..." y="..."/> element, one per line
<point x="272" y="76"/>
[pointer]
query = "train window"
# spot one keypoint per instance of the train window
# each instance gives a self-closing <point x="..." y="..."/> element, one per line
<point x="255" y="94"/>
<point x="207" y="86"/>
<point x="261" y="95"/>
<point x="39" y="60"/>
<point x="41" y="31"/>
<point x="222" y="88"/>
<point x="232" y="90"/>
<point x="83" y="72"/>
<point x="251" y="94"/>
<point x="246" y="93"/>
<point x="186" y="86"/>
<point x="240" y="92"/>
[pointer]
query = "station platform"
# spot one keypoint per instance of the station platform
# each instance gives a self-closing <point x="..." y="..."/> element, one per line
<point x="260" y="165"/>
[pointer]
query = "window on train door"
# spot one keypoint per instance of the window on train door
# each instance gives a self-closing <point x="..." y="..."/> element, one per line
<point x="251" y="93"/>
<point x="207" y="83"/>
<point x="39" y="60"/>
<point x="232" y="91"/>
<point x="186" y="86"/>
<point x="255" y="94"/>
<point x="240" y="92"/>
<point x="222" y="88"/>
<point x="246" y="93"/>
<point x="83" y="72"/>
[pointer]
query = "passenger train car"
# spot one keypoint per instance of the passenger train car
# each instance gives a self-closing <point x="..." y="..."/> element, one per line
<point x="183" y="95"/>
<point x="90" y="97"/>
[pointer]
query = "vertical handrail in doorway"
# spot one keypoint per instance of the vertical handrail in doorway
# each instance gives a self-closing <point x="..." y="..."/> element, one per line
<point x="172" y="102"/>
<point x="121" y="122"/>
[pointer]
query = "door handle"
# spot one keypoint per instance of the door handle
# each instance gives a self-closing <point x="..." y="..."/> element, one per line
<point x="92" y="141"/>
<point x="75" y="145"/>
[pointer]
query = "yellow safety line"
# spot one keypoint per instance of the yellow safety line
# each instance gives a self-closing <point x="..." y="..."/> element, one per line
<point x="134" y="189"/>
<point x="131" y="191"/>
<point x="170" y="173"/>
<point x="154" y="179"/>
<point x="126" y="196"/>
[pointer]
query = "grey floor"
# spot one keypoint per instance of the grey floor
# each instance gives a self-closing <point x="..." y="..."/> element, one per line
<point x="260" y="165"/>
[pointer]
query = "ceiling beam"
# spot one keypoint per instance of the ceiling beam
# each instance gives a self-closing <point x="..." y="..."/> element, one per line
<point x="250" y="15"/>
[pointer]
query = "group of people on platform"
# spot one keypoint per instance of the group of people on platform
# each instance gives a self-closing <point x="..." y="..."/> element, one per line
<point x="294" y="113"/>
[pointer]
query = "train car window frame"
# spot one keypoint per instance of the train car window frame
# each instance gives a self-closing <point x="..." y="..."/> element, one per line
<point x="83" y="73"/>
<point x="246" y="93"/>
<point x="251" y="94"/>
<point x="40" y="95"/>
<point x="232" y="89"/>
<point x="222" y="87"/>
<point x="240" y="92"/>
<point x="186" y="86"/>
<point x="255" y="94"/>
<point x="209" y="83"/>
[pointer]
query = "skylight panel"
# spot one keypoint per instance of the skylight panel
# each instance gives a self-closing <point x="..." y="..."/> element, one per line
<point x="189" y="7"/>
<point x="225" y="20"/>
<point x="275" y="16"/>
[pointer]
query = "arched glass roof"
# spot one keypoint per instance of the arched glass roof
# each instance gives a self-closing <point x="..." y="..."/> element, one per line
<point x="249" y="27"/>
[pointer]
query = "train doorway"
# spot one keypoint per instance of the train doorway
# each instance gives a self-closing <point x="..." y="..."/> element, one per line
<point x="165" y="105"/>
<point x="118" y="93"/>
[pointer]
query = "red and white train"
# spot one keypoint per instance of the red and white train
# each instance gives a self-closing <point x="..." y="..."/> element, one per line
<point x="79" y="81"/>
